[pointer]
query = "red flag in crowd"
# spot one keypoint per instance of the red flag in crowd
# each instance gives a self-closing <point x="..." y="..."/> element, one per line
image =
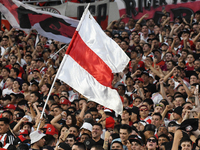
<point x="89" y="62"/>
<point x="26" y="18"/>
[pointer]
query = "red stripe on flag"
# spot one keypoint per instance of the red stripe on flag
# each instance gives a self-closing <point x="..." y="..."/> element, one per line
<point x="90" y="61"/>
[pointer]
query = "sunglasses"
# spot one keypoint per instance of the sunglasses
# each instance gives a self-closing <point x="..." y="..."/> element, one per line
<point x="159" y="105"/>
<point x="143" y="109"/>
<point x="151" y="140"/>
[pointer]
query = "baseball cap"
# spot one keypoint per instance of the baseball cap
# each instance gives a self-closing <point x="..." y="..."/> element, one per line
<point x="110" y="122"/>
<point x="165" y="43"/>
<point x="87" y="126"/>
<point x="65" y="102"/>
<point x="36" y="136"/>
<point x="172" y="124"/>
<point x="178" y="110"/>
<point x="189" y="125"/>
<point x="50" y="129"/>
<point x="23" y="139"/>
<point x="24" y="132"/>
<point x="64" y="146"/>
<point x="157" y="50"/>
<point x="140" y="79"/>
<point x="10" y="106"/>
<point x="135" y="138"/>
<point x="145" y="72"/>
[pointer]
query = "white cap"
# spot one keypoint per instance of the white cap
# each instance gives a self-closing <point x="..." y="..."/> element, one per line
<point x="36" y="136"/>
<point x="87" y="126"/>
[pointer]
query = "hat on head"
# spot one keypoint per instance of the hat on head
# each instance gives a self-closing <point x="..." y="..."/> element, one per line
<point x="87" y="126"/>
<point x="64" y="146"/>
<point x="24" y="132"/>
<point x="145" y="72"/>
<point x="65" y="102"/>
<point x="178" y="110"/>
<point x="110" y="122"/>
<point x="140" y="79"/>
<point x="165" y="43"/>
<point x="150" y="127"/>
<point x="10" y="106"/>
<point x="172" y="124"/>
<point x="135" y="110"/>
<point x="144" y="123"/>
<point x="127" y="109"/>
<point x="157" y="50"/>
<point x="51" y="131"/>
<point x="36" y="136"/>
<point x="135" y="138"/>
<point x="19" y="115"/>
<point x="189" y="125"/>
<point x="36" y="70"/>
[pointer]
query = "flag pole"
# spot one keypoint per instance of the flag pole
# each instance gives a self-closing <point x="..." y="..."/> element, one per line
<point x="62" y="63"/>
<point x="58" y="51"/>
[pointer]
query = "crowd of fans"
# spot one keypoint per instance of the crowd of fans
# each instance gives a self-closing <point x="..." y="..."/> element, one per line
<point x="159" y="90"/>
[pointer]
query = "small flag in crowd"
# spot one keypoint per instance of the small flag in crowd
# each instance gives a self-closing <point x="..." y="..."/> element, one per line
<point x="26" y="18"/>
<point x="89" y="62"/>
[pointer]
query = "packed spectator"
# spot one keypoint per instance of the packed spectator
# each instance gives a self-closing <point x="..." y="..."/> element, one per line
<point x="159" y="89"/>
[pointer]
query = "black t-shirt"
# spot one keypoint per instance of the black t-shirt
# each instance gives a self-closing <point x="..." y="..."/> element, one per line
<point x="100" y="142"/>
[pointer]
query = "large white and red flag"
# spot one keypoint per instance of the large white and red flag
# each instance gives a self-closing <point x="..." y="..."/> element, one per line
<point x="89" y="62"/>
<point x="26" y="18"/>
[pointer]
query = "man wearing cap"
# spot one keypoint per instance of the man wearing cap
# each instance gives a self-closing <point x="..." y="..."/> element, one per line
<point x="172" y="126"/>
<point x="37" y="140"/>
<point x="135" y="141"/>
<point x="139" y="81"/>
<point x="64" y="103"/>
<point x="86" y="128"/>
<point x="177" y="114"/>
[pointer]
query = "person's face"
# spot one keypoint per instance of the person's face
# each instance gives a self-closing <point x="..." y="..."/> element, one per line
<point x="193" y="79"/>
<point x="13" y="60"/>
<point x="123" y="133"/>
<point x="57" y="111"/>
<point x="94" y="114"/>
<point x="169" y="65"/>
<point x="144" y="112"/>
<point x="137" y="27"/>
<point x="116" y="146"/>
<point x="135" y="146"/>
<point x="121" y="25"/>
<point x="145" y="78"/>
<point x="176" y="116"/>
<point x="33" y="98"/>
<point x="69" y="121"/>
<point x="162" y="140"/>
<point x="190" y="59"/>
<point x="4" y="73"/>
<point x="151" y="143"/>
<point x="81" y="104"/>
<point x="4" y="42"/>
<point x="85" y="131"/>
<point x="156" y="121"/>
<point x="146" y="48"/>
<point x="124" y="34"/>
<point x="172" y="129"/>
<point x="184" y="55"/>
<point x="91" y="104"/>
<point x="156" y="53"/>
<point x="3" y="127"/>
<point x="125" y="103"/>
<point x="137" y="101"/>
<point x="16" y="85"/>
<point x="41" y="142"/>
<point x="120" y="90"/>
<point x="70" y="141"/>
<point x="125" y="115"/>
<point x="64" y="94"/>
<point x="88" y="116"/>
<point x="83" y="138"/>
<point x="129" y="82"/>
<point x="168" y="57"/>
<point x="123" y="45"/>
<point x="24" y="87"/>
<point x="133" y="116"/>
<point x="73" y="130"/>
<point x="197" y="46"/>
<point x="162" y="130"/>
<point x="186" y="146"/>
<point x="144" y="30"/>
<point x="137" y="39"/>
<point x="63" y="130"/>
<point x="179" y="101"/>
<point x="133" y="55"/>
<point x="96" y="131"/>
<point x="158" y="109"/>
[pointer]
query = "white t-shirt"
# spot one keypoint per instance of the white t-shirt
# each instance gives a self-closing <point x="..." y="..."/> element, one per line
<point x="7" y="92"/>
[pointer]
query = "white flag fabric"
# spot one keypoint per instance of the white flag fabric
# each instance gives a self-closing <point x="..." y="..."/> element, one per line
<point x="26" y="18"/>
<point x="89" y="62"/>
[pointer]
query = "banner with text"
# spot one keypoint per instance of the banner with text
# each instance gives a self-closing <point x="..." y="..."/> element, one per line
<point x="137" y="8"/>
